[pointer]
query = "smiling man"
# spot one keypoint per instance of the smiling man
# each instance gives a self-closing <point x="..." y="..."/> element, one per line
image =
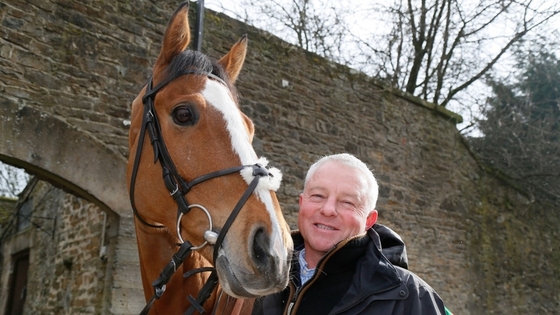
<point x="339" y="266"/>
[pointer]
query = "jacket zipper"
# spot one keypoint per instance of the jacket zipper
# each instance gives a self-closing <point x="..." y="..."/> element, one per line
<point x="294" y="299"/>
<point x="317" y="268"/>
<point x="290" y="307"/>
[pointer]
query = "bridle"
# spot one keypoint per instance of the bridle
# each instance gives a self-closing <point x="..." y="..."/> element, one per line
<point x="178" y="187"/>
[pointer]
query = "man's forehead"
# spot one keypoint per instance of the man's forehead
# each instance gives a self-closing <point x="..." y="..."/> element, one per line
<point x="348" y="192"/>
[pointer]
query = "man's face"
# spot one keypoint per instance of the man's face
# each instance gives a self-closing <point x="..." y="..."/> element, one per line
<point x="331" y="208"/>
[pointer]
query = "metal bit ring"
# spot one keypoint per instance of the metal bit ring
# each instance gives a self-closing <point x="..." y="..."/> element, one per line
<point x="209" y="223"/>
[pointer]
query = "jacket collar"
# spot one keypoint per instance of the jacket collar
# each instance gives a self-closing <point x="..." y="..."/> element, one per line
<point x="375" y="273"/>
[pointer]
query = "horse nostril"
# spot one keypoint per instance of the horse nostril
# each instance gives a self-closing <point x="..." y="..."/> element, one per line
<point x="261" y="245"/>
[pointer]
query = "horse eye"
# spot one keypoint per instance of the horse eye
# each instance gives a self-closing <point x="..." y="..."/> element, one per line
<point x="183" y="115"/>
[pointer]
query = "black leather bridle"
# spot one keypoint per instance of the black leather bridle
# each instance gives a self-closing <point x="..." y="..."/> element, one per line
<point x="178" y="188"/>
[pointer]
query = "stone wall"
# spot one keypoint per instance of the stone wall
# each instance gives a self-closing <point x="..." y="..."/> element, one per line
<point x="483" y="245"/>
<point x="65" y="237"/>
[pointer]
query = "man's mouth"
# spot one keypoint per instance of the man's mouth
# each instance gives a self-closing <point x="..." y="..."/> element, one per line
<point x="324" y="227"/>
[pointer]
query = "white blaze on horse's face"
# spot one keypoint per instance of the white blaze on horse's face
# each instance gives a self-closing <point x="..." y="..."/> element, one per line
<point x="219" y="96"/>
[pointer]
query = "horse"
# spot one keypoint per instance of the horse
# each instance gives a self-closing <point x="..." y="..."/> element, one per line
<point x="204" y="204"/>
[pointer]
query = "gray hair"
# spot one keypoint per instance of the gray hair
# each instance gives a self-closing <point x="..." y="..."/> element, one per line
<point x="372" y="189"/>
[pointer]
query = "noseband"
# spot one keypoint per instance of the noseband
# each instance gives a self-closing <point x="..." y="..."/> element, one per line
<point x="178" y="187"/>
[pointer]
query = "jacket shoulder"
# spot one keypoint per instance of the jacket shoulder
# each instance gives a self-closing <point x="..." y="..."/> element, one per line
<point x="421" y="297"/>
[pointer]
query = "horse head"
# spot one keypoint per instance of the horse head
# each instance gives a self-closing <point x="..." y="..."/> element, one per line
<point x="191" y="166"/>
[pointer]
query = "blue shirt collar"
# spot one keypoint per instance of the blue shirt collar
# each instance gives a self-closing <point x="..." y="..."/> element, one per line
<point x="304" y="273"/>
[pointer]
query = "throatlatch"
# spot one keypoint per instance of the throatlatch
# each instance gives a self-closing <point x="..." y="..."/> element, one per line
<point x="179" y="187"/>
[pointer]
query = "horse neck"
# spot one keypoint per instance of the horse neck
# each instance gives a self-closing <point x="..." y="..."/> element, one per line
<point x="226" y="304"/>
<point x="219" y="302"/>
<point x="156" y="247"/>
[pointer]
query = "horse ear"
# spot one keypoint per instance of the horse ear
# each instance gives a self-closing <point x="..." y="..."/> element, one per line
<point x="233" y="60"/>
<point x="177" y="35"/>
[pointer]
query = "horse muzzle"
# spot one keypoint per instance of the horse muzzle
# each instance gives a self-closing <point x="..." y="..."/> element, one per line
<point x="266" y="273"/>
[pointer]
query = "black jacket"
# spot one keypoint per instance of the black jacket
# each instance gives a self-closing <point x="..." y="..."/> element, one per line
<point x="355" y="278"/>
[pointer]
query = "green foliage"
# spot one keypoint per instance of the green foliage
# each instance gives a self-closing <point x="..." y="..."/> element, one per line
<point x="522" y="125"/>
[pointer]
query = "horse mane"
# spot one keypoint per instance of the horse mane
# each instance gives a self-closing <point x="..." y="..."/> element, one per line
<point x="191" y="59"/>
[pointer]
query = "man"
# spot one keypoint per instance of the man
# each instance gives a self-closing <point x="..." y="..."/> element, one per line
<point x="338" y="266"/>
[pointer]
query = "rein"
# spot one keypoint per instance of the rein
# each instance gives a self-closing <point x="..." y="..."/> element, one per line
<point x="178" y="188"/>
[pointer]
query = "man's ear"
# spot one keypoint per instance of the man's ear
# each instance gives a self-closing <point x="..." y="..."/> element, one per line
<point x="371" y="219"/>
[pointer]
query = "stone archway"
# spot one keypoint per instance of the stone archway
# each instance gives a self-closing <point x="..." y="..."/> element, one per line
<point x="69" y="158"/>
<point x="60" y="153"/>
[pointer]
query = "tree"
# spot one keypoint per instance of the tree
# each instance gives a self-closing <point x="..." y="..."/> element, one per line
<point x="522" y="125"/>
<point x="437" y="50"/>
<point x="320" y="27"/>
<point x="12" y="180"/>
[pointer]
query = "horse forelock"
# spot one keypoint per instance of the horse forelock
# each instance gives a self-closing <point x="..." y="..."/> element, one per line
<point x="199" y="63"/>
<point x="194" y="81"/>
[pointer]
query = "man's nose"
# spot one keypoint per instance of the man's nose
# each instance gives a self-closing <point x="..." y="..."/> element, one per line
<point x="329" y="207"/>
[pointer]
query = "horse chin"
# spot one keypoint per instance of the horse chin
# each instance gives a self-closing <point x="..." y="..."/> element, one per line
<point x="241" y="285"/>
<point x="228" y="279"/>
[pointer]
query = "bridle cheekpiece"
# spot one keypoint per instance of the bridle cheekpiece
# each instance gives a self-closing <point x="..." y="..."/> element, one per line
<point x="179" y="187"/>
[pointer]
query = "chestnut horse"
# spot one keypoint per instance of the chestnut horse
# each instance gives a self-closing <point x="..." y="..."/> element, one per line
<point x="204" y="203"/>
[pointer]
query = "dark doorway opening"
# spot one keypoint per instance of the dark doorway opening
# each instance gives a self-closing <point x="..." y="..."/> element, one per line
<point x="18" y="283"/>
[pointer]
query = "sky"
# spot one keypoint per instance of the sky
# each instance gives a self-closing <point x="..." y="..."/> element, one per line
<point x="16" y="177"/>
<point x="362" y="23"/>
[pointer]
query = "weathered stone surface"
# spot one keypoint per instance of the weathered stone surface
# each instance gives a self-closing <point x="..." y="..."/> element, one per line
<point x="484" y="246"/>
<point x="64" y="238"/>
